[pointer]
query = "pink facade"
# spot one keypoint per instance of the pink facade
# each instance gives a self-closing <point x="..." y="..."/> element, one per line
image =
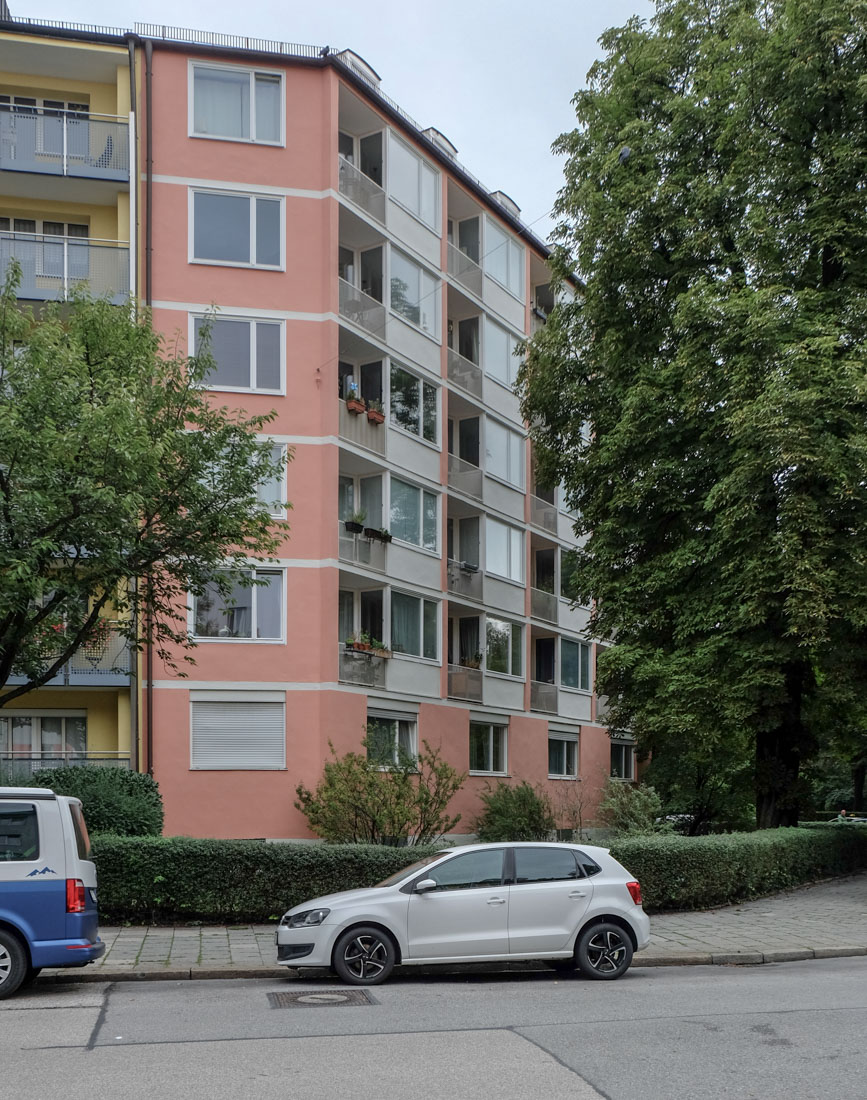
<point x="393" y="277"/>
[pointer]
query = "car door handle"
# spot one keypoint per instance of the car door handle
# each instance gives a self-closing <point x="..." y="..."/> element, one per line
<point x="496" y="901"/>
<point x="578" y="894"/>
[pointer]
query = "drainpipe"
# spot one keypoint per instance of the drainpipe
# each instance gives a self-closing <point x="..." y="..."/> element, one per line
<point x="135" y="700"/>
<point x="149" y="199"/>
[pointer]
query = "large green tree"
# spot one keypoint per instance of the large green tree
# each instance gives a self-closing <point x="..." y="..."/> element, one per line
<point x="704" y="398"/>
<point x="123" y="486"/>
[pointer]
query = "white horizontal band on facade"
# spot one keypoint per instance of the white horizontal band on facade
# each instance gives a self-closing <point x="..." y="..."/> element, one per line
<point x="254" y="312"/>
<point x="233" y="695"/>
<point x="245" y="186"/>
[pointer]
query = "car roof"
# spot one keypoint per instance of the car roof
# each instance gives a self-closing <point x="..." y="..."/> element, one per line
<point x="590" y="849"/>
<point x="26" y="792"/>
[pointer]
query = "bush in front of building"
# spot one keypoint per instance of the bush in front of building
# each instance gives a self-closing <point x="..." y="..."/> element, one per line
<point x="166" y="879"/>
<point x="514" y="812"/>
<point x="700" y="872"/>
<point x="632" y="809"/>
<point x="114" y="800"/>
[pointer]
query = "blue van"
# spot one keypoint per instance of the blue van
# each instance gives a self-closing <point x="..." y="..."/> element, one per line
<point x="47" y="886"/>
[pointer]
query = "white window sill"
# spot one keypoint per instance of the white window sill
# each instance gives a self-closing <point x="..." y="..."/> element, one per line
<point x="244" y="389"/>
<point x="239" y="140"/>
<point x="505" y="775"/>
<point x="236" y="263"/>
<point x="575" y="690"/>
<point x="509" y="484"/>
<point x="436" y="339"/>
<point x="507" y="676"/>
<point x="416" y="438"/>
<point x="238" y="641"/>
<point x="566" y="778"/>
<point x="436" y="230"/>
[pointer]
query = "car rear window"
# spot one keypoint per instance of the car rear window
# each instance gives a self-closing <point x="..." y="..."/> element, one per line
<point x="82" y="839"/>
<point x="19" y="832"/>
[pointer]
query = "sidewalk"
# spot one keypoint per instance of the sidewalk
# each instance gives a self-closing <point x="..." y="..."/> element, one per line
<point x="824" y="921"/>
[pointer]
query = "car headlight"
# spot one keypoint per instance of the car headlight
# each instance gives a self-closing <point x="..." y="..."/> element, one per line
<point x="306" y="919"/>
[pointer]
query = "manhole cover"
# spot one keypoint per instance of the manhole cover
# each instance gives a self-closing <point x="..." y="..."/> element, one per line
<point x="325" y="998"/>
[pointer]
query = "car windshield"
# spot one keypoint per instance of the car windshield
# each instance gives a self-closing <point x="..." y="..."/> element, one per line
<point x="399" y="876"/>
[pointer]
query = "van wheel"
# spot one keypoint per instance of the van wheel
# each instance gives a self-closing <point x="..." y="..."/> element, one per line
<point x="13" y="964"/>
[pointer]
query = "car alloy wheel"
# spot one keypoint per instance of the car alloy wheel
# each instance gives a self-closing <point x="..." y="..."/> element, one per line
<point x="13" y="964"/>
<point x="364" y="956"/>
<point x="604" y="951"/>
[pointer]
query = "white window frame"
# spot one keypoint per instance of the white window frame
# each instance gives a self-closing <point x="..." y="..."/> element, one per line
<point x="388" y="612"/>
<point x="35" y="715"/>
<point x="511" y="654"/>
<point x="281" y="511"/>
<point x="628" y="748"/>
<point x="243" y="194"/>
<point x="252" y="322"/>
<point x="223" y="697"/>
<point x="510" y="528"/>
<point x="203" y="639"/>
<point x="565" y="739"/>
<point x="512" y="264"/>
<point x="503" y="731"/>
<point x="421" y="382"/>
<point x="423" y="163"/>
<point x="516" y="455"/>
<point x="586" y="647"/>
<point x="421" y="491"/>
<point x="387" y="716"/>
<point x="253" y="73"/>
<point x="512" y="363"/>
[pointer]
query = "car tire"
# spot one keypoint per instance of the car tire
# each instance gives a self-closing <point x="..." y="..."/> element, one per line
<point x="13" y="964"/>
<point x="604" y="951"/>
<point x="364" y="955"/>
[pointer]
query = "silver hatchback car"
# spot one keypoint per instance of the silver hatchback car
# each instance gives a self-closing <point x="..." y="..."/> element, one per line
<point x="568" y="905"/>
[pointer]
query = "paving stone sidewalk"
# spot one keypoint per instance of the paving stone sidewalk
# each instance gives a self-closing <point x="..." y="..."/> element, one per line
<point x="825" y="920"/>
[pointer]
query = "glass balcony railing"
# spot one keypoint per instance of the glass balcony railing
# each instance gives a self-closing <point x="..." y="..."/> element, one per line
<point x="363" y="668"/>
<point x="63" y="143"/>
<point x="543" y="697"/>
<point x="543" y="605"/>
<point x="52" y="267"/>
<point x="361" y="549"/>
<point x="361" y="190"/>
<point x="465" y="477"/>
<point x="543" y="513"/>
<point x="465" y="579"/>
<point x="465" y="683"/>
<point x="464" y="373"/>
<point x="361" y="309"/>
<point x="465" y="269"/>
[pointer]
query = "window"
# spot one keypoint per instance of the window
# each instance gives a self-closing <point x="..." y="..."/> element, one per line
<point x="19" y="832"/>
<point x="499" y="349"/>
<point x="412" y="182"/>
<point x="413" y="404"/>
<point x="487" y="748"/>
<point x="574" y="664"/>
<point x="414" y="626"/>
<point x="568" y="583"/>
<point x="413" y="514"/>
<point x="504" y="258"/>
<point x="236" y="229"/>
<point x="30" y="736"/>
<point x="503" y="647"/>
<point x="248" y="612"/>
<point x="390" y="740"/>
<point x="622" y="760"/>
<point x="273" y="491"/>
<point x="414" y="293"/>
<point x="362" y="494"/>
<point x="361" y="380"/>
<point x="471" y="871"/>
<point x="545" y="865"/>
<point x="238" y="735"/>
<point x="504" y="550"/>
<point x="562" y="756"/>
<point x="237" y="104"/>
<point x="248" y="355"/>
<point x="504" y="453"/>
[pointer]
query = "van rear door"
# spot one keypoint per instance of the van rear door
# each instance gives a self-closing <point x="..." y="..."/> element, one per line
<point x="33" y="867"/>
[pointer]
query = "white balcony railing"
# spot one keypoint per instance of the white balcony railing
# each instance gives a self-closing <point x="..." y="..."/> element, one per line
<point x="361" y="190"/>
<point x="465" y="373"/>
<point x="465" y="269"/>
<point x="361" y="309"/>
<point x="465" y="477"/>
<point x="52" y="267"/>
<point x="63" y="143"/>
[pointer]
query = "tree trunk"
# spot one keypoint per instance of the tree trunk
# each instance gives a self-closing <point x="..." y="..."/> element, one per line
<point x="779" y="753"/>
<point x="859" y="774"/>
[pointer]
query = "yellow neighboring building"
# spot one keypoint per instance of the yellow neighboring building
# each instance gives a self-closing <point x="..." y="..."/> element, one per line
<point x="66" y="147"/>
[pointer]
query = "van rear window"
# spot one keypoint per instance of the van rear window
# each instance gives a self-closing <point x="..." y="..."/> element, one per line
<point x="82" y="840"/>
<point x="19" y="832"/>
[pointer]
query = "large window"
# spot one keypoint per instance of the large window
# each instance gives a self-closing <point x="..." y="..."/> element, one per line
<point x="414" y="293"/>
<point x="413" y="626"/>
<point x="504" y="453"/>
<point x="413" y="404"/>
<point x="622" y="760"/>
<point x="248" y="355"/>
<point x="27" y="735"/>
<point x="487" y="748"/>
<point x="273" y="491"/>
<point x="562" y="755"/>
<point x="238" y="734"/>
<point x="574" y="664"/>
<point x="504" y="258"/>
<point x="504" y="550"/>
<point x="19" y="832"/>
<point x="413" y="514"/>
<point x="237" y="104"/>
<point x="390" y="740"/>
<point x="236" y="229"/>
<point x="412" y="182"/>
<point x="248" y="612"/>
<point x="503" y="647"/>
<point x="499" y="353"/>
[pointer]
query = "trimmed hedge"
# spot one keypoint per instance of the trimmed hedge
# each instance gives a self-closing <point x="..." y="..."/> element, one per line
<point x="114" y="800"/>
<point x="701" y="872"/>
<point x="164" y="879"/>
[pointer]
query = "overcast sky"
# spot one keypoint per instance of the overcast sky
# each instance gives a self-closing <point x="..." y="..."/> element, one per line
<point x="496" y="77"/>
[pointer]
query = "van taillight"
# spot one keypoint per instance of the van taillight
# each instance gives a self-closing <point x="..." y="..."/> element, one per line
<point x="634" y="889"/>
<point x="74" y="895"/>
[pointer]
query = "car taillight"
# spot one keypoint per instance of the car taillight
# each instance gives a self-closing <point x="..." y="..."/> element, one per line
<point x="75" y="899"/>
<point x="634" y="889"/>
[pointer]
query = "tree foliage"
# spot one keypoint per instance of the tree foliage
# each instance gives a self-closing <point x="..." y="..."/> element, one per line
<point x="704" y="397"/>
<point x="123" y="487"/>
<point x="514" y="812"/>
<point x="632" y="810"/>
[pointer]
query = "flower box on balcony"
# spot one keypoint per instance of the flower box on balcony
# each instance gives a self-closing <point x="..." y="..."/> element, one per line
<point x="355" y="405"/>
<point x="375" y="413"/>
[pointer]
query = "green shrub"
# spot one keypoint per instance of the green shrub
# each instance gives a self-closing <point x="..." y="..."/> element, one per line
<point x="631" y="810"/>
<point x="678" y="872"/>
<point x="114" y="800"/>
<point x="514" y="812"/>
<point x="164" y="879"/>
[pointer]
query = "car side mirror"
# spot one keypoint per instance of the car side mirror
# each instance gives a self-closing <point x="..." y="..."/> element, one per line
<point x="425" y="886"/>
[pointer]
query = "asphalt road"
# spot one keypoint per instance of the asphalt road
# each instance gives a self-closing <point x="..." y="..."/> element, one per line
<point x="793" y="1031"/>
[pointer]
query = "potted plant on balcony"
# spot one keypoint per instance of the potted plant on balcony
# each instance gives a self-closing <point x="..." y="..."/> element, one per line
<point x="354" y="402"/>
<point x="469" y="567"/>
<point x="472" y="662"/>
<point x="355" y="524"/>
<point x="358" y="643"/>
<point x="375" y="412"/>
<point x="378" y="648"/>
<point x="384" y="534"/>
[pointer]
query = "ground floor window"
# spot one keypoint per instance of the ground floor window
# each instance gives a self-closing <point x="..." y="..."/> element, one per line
<point x="391" y="740"/>
<point x="238" y="734"/>
<point x="487" y="748"/>
<point x="622" y="760"/>
<point x="31" y="739"/>
<point x="562" y="756"/>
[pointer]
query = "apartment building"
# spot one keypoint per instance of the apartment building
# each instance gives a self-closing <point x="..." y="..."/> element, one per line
<point x="371" y="292"/>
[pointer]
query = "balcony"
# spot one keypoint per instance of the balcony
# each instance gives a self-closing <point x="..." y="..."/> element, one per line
<point x="360" y="550"/>
<point x="465" y="579"/>
<point x="105" y="664"/>
<point x="63" y="143"/>
<point x="543" y="513"/>
<point x="360" y="189"/>
<point x="465" y="683"/>
<point x="465" y="477"/>
<point x="465" y="373"/>
<point x="356" y="428"/>
<point x="52" y="267"/>
<point x="28" y="763"/>
<point x="361" y="309"/>
<point x="543" y="605"/>
<point x="363" y="668"/>
<point x="465" y="270"/>
<point x="543" y="697"/>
